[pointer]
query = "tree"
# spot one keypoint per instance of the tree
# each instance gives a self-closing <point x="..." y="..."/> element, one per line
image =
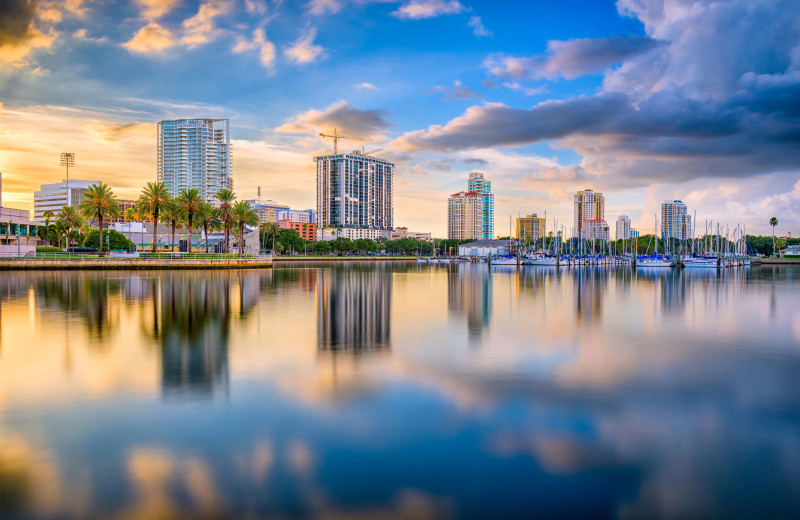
<point x="773" y="222"/>
<point x="271" y="230"/>
<point x="171" y="215"/>
<point x="226" y="198"/>
<point x="189" y="204"/>
<point x="780" y="244"/>
<point x="323" y="246"/>
<point x="342" y="245"/>
<point x="71" y="219"/>
<point x="153" y="198"/>
<point x="130" y="215"/>
<point x="45" y="232"/>
<point x="205" y="217"/>
<point x="243" y="215"/>
<point x="113" y="238"/>
<point x="99" y="203"/>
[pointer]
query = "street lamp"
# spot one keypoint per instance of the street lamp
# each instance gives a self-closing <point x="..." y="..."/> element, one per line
<point x="68" y="159"/>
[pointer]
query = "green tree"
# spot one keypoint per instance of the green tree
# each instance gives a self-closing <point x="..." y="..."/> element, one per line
<point x="270" y="232"/>
<point x="171" y="215"/>
<point x="70" y="219"/>
<point x="45" y="232"/>
<point x="323" y="246"/>
<point x="365" y="245"/>
<point x="113" y="238"/>
<point x="226" y="199"/>
<point x="243" y="215"/>
<point x="773" y="222"/>
<point x="206" y="217"/>
<point x="130" y="215"/>
<point x="99" y="203"/>
<point x="780" y="244"/>
<point x="189" y="204"/>
<point x="152" y="200"/>
<point x="342" y="245"/>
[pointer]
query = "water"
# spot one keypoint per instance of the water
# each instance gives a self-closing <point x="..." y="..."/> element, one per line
<point x="398" y="391"/>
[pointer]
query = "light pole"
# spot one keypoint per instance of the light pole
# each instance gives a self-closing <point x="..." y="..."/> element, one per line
<point x="68" y="159"/>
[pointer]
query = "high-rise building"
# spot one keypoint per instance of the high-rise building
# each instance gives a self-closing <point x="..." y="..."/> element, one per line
<point x="55" y="196"/>
<point x="195" y="153"/>
<point x="465" y="216"/>
<point x="267" y="210"/>
<point x="530" y="227"/>
<point x="354" y="190"/>
<point x="589" y="205"/>
<point x="675" y="222"/>
<point x="478" y="184"/>
<point x="623" y="227"/>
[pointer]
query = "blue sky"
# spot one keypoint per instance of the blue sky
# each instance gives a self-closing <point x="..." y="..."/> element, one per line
<point x="645" y="100"/>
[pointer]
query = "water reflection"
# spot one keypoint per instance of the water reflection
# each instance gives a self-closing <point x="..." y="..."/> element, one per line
<point x="596" y="393"/>
<point x="469" y="292"/>
<point x="354" y="309"/>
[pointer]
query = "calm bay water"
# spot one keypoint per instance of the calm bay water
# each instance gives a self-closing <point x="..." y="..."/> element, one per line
<point x="398" y="391"/>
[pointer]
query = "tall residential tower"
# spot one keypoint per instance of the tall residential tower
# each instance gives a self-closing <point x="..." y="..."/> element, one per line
<point x="195" y="153"/>
<point x="589" y="205"/>
<point x="354" y="191"/>
<point x="675" y="222"/>
<point x="478" y="184"/>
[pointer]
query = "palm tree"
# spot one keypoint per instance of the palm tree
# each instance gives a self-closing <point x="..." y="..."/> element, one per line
<point x="153" y="198"/>
<point x="226" y="198"/>
<point x="99" y="203"/>
<point x="171" y="214"/>
<point x="305" y="241"/>
<point x="46" y="232"/>
<point x="271" y="229"/>
<point x="189" y="203"/>
<point x="205" y="216"/>
<point x="243" y="215"/>
<point x="70" y="218"/>
<point x="773" y="222"/>
<point x="130" y="215"/>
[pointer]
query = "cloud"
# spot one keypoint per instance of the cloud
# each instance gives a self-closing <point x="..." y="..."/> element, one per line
<point x="82" y="34"/>
<point x="154" y="9"/>
<point x="303" y="49"/>
<point x="528" y="91"/>
<point x="152" y="38"/>
<point x="477" y="27"/>
<point x="341" y="115"/>
<point x="321" y="7"/>
<point x="572" y="58"/>
<point x="200" y="28"/>
<point x="265" y="48"/>
<point x="194" y="31"/>
<point x="420" y="9"/>
<point x="367" y="86"/>
<point x="457" y="91"/>
<point x="18" y="33"/>
<point x="257" y="7"/>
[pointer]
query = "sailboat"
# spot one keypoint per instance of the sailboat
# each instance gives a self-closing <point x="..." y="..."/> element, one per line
<point x="655" y="261"/>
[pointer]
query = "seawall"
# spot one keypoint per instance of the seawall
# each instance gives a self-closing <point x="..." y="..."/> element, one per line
<point x="36" y="264"/>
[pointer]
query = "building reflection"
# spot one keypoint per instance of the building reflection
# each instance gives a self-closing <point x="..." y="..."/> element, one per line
<point x="469" y="292"/>
<point x="192" y="320"/>
<point x="354" y="308"/>
<point x="590" y="284"/>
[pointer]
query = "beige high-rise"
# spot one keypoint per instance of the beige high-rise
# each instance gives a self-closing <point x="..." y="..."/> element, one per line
<point x="465" y="216"/>
<point x="589" y="205"/>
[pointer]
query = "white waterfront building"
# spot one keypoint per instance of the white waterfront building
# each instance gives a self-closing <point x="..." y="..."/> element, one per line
<point x="623" y="227"/>
<point x="56" y="195"/>
<point x="465" y="216"/>
<point x="195" y="153"/>
<point x="675" y="222"/>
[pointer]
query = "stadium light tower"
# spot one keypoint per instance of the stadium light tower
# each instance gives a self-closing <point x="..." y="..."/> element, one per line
<point x="68" y="159"/>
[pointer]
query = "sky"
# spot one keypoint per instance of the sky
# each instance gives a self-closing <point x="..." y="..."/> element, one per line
<point x="643" y="100"/>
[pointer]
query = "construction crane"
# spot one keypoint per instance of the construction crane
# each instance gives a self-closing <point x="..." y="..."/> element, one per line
<point x="336" y="136"/>
<point x="371" y="151"/>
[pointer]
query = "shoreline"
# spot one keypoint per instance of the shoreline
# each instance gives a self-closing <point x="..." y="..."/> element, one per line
<point x="127" y="264"/>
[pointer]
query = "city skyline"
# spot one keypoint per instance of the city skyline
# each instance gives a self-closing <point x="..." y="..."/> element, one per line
<point x="606" y="98"/>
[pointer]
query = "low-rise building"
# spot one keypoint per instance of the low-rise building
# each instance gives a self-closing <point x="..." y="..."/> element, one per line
<point x="17" y="232"/>
<point x="55" y="196"/>
<point x="267" y="210"/>
<point x="353" y="233"/>
<point x="486" y="248"/>
<point x="124" y="205"/>
<point x="308" y="216"/>
<point x="594" y="229"/>
<point x="403" y="232"/>
<point x="308" y="231"/>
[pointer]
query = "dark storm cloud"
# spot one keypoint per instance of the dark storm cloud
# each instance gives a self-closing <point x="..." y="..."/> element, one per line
<point x="16" y="21"/>
<point x="572" y="58"/>
<point x="722" y="98"/>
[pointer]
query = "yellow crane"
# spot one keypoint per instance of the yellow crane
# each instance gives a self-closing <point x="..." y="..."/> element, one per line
<point x="336" y="136"/>
<point x="371" y="151"/>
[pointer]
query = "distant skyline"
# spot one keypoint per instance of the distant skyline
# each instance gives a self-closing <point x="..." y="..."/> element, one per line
<point x="642" y="100"/>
